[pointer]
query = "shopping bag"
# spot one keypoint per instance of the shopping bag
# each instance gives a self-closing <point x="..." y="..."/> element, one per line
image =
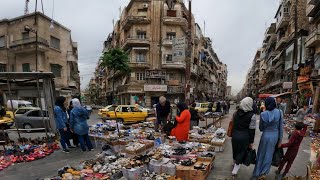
<point x="250" y="157"/>
<point x="277" y="156"/>
<point x="230" y="129"/>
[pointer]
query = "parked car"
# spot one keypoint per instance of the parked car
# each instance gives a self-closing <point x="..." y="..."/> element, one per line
<point x="102" y="112"/>
<point x="128" y="113"/>
<point x="203" y="107"/>
<point x="32" y="118"/>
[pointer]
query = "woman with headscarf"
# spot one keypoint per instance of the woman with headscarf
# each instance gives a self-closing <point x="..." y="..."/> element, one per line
<point x="74" y="136"/>
<point x="243" y="132"/>
<point x="61" y="120"/>
<point x="79" y="125"/>
<point x="271" y="124"/>
<point x="181" y="131"/>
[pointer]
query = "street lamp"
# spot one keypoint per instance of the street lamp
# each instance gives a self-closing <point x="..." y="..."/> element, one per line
<point x="30" y="29"/>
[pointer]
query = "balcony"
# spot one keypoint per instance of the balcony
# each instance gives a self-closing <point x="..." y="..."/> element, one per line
<point x="167" y="42"/>
<point x="169" y="64"/>
<point x="135" y="41"/>
<point x="130" y="20"/>
<point x="313" y="39"/>
<point x="178" y="21"/>
<point x="175" y="89"/>
<point x="272" y="55"/>
<point x="270" y="70"/>
<point x="283" y="21"/>
<point x="140" y="64"/>
<point x="311" y="2"/>
<point x="281" y="43"/>
<point x="72" y="83"/>
<point x="29" y="45"/>
<point x="311" y="10"/>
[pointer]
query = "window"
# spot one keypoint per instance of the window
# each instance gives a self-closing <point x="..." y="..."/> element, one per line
<point x="21" y="111"/>
<point x="141" y="57"/>
<point x="285" y="10"/>
<point x="135" y="109"/>
<point x="55" y="42"/>
<point x="169" y="57"/>
<point x="13" y="68"/>
<point x="25" y="35"/>
<point x="34" y="114"/>
<point x="26" y="67"/>
<point x="125" y="109"/>
<point x="2" y="41"/>
<point x="142" y="34"/>
<point x="141" y="76"/>
<point x="171" y="35"/>
<point x="2" y="68"/>
<point x="56" y="70"/>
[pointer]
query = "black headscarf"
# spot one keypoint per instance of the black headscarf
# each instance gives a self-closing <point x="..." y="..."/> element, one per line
<point x="60" y="102"/>
<point x="270" y="103"/>
<point x="182" y="106"/>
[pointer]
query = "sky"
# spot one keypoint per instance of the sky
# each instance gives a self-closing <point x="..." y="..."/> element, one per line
<point x="236" y="27"/>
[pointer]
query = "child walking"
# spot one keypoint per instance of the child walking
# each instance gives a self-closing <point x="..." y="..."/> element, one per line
<point x="293" y="147"/>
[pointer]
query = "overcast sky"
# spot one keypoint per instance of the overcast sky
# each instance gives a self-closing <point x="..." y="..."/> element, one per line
<point x="237" y="28"/>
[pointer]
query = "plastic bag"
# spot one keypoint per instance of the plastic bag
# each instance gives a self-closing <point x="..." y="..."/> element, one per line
<point x="250" y="157"/>
<point x="277" y="156"/>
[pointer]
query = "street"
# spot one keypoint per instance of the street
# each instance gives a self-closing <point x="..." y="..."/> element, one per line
<point x="49" y="166"/>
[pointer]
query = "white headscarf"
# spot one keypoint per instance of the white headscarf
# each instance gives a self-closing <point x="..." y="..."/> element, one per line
<point x="246" y="104"/>
<point x="76" y="103"/>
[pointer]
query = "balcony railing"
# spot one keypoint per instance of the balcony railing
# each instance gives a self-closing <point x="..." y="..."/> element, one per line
<point x="283" y="21"/>
<point x="29" y="41"/>
<point x="130" y="20"/>
<point x="313" y="39"/>
<point x="139" y="63"/>
<point x="179" y="21"/>
<point x="281" y="43"/>
<point x="167" y="42"/>
<point x="130" y="41"/>
<point x="311" y="10"/>
<point x="173" y="64"/>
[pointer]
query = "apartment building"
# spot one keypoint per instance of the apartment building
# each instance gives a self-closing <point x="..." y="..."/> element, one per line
<point x="51" y="51"/>
<point x="156" y="71"/>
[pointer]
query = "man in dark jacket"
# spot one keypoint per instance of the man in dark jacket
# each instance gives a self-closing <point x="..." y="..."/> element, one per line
<point x="163" y="112"/>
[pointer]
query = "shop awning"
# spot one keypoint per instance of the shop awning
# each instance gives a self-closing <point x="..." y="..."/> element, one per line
<point x="264" y="95"/>
<point x="282" y="94"/>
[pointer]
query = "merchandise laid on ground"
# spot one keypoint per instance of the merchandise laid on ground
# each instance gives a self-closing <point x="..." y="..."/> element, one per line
<point x="138" y="152"/>
<point x="26" y="150"/>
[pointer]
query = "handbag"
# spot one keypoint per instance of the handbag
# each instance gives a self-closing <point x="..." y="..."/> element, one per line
<point x="277" y="156"/>
<point x="250" y="157"/>
<point x="230" y="129"/>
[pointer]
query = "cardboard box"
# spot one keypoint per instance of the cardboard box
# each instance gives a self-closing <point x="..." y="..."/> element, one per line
<point x="206" y="159"/>
<point x="196" y="174"/>
<point x="183" y="172"/>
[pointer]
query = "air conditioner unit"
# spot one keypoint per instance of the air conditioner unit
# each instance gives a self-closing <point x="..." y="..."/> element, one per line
<point x="145" y="5"/>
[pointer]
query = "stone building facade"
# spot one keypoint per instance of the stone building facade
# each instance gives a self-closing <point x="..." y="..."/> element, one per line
<point x="55" y="52"/>
<point x="148" y="40"/>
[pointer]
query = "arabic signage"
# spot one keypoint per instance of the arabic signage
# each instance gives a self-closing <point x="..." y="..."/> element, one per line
<point x="157" y="88"/>
<point x="155" y="74"/>
<point x="179" y="49"/>
<point x="302" y="79"/>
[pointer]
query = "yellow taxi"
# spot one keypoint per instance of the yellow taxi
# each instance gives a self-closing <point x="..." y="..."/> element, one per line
<point x="7" y="120"/>
<point x="102" y="112"/>
<point x="128" y="113"/>
<point x="203" y="107"/>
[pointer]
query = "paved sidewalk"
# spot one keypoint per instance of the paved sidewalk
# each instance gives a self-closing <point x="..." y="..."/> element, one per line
<point x="223" y="163"/>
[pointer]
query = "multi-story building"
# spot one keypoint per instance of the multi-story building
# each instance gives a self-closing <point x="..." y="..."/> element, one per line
<point x="312" y="68"/>
<point x="51" y="51"/>
<point x="156" y="71"/>
<point x="277" y="59"/>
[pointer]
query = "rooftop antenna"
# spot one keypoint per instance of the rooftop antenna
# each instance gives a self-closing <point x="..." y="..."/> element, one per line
<point x="26" y="8"/>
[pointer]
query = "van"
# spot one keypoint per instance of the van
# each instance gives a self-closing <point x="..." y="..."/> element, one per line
<point x="18" y="103"/>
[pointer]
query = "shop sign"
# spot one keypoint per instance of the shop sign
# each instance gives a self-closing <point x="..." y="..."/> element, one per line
<point x="157" y="88"/>
<point x="155" y="74"/>
<point x="302" y="79"/>
<point x="179" y="49"/>
<point x="134" y="90"/>
<point x="287" y="85"/>
<point x="173" y="83"/>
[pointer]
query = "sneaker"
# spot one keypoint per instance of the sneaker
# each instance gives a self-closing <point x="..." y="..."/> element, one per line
<point x="91" y="149"/>
<point x="66" y="150"/>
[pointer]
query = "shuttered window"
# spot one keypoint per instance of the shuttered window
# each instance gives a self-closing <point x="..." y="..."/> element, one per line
<point x="55" y="42"/>
<point x="56" y="70"/>
<point x="26" y="67"/>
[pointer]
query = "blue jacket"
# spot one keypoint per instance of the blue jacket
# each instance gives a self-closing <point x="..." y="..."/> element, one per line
<point x="60" y="117"/>
<point x="78" y="120"/>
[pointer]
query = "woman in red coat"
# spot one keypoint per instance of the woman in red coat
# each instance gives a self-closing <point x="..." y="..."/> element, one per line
<point x="181" y="131"/>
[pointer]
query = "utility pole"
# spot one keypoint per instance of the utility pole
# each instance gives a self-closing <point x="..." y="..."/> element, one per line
<point x="295" y="51"/>
<point x="188" y="57"/>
